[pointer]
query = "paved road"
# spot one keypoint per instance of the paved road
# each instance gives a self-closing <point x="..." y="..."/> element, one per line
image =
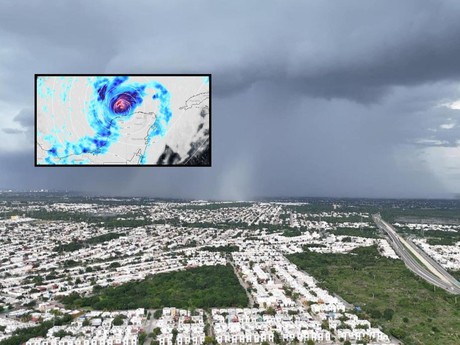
<point x="417" y="260"/>
<point x="243" y="284"/>
<point x="148" y="328"/>
<point x="434" y="264"/>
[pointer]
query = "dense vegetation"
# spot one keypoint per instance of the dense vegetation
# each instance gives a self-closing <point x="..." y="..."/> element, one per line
<point x="222" y="249"/>
<point x="76" y="245"/>
<point x="202" y="287"/>
<point x="389" y="294"/>
<point x="21" y="335"/>
<point x="364" y="232"/>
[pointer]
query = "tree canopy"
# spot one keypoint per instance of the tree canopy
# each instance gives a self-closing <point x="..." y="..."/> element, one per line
<point x="202" y="287"/>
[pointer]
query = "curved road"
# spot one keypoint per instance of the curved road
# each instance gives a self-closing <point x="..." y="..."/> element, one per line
<point x="417" y="260"/>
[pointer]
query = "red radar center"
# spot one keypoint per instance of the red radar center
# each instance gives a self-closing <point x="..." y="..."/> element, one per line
<point x="122" y="104"/>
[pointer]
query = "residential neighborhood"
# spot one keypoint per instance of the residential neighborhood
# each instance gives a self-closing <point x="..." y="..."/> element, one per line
<point x="52" y="250"/>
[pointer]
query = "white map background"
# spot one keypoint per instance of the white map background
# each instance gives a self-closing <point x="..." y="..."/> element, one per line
<point x="62" y="114"/>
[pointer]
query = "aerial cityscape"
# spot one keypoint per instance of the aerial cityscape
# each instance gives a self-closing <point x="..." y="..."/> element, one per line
<point x="230" y="172"/>
<point x="106" y="270"/>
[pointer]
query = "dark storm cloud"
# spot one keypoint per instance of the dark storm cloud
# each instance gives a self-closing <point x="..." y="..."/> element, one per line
<point x="352" y="49"/>
<point x="310" y="98"/>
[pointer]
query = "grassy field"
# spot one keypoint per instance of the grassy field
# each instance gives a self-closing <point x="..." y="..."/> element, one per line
<point x="455" y="274"/>
<point x="389" y="294"/>
<point x="202" y="287"/>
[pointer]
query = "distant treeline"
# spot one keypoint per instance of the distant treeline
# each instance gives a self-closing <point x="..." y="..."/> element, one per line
<point x="108" y="221"/>
<point x="216" y="206"/>
<point x="76" y="245"/>
<point x="393" y="215"/>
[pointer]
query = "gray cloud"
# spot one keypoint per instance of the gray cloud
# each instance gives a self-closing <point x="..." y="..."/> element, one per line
<point x="24" y="134"/>
<point x="25" y="118"/>
<point x="12" y="130"/>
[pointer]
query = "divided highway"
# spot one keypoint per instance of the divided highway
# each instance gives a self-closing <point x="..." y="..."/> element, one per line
<point x="417" y="260"/>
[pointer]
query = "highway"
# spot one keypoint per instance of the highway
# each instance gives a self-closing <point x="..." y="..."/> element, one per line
<point x="417" y="260"/>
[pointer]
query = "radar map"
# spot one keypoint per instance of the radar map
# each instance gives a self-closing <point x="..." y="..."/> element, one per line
<point x="123" y="120"/>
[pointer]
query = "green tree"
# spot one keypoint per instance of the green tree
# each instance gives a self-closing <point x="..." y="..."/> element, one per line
<point x="141" y="338"/>
<point x="398" y="333"/>
<point x="117" y="321"/>
<point x="155" y="333"/>
<point x="115" y="264"/>
<point x="61" y="333"/>
<point x="209" y="340"/>
<point x="388" y="314"/>
<point x="158" y="314"/>
<point x="270" y="311"/>
<point x="375" y="314"/>
<point x="174" y="332"/>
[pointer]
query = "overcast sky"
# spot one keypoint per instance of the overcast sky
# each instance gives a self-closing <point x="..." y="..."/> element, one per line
<point x="310" y="98"/>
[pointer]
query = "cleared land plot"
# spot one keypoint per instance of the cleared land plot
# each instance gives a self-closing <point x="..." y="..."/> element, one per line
<point x="389" y="294"/>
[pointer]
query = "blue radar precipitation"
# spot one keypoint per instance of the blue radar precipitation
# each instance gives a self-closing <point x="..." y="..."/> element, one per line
<point x="108" y="103"/>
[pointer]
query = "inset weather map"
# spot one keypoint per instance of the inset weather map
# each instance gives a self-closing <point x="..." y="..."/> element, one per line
<point x="123" y="120"/>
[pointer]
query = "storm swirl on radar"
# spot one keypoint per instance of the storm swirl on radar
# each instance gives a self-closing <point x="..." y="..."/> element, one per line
<point x="114" y="100"/>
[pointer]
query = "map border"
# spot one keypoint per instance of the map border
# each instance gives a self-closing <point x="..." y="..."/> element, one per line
<point x="209" y="75"/>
